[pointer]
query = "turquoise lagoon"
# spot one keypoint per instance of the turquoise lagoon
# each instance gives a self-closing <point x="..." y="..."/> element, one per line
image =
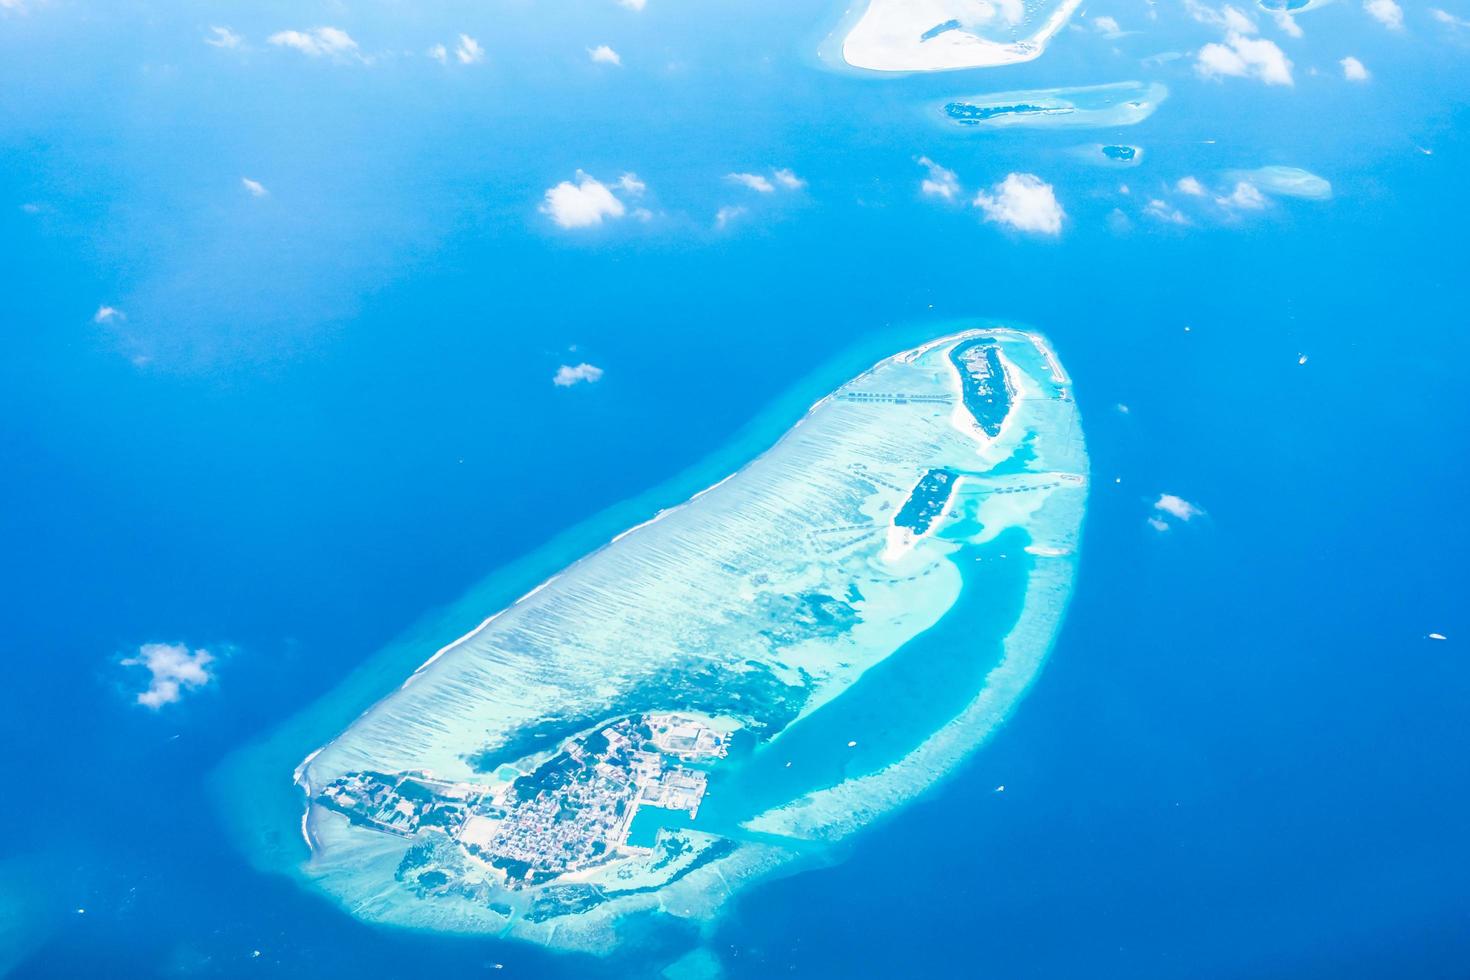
<point x="942" y="626"/>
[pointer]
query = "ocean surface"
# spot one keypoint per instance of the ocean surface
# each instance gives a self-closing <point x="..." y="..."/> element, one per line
<point x="324" y="415"/>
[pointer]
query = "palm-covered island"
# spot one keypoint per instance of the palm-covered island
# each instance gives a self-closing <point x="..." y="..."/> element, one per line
<point x="735" y="684"/>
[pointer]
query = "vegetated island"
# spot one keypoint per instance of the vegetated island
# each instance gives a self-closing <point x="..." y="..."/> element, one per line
<point x="735" y="684"/>
<point x="1079" y="107"/>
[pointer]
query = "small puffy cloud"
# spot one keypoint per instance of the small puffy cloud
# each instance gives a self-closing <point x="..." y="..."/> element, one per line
<point x="753" y="181"/>
<point x="630" y="184"/>
<point x="940" y="181"/>
<point x="1177" y="507"/>
<point x="319" y="42"/>
<point x="1228" y="18"/>
<point x="786" y="178"/>
<point x="1165" y="212"/>
<point x="1238" y="22"/>
<point x="108" y="314"/>
<point x="1448" y="19"/>
<point x="1386" y="12"/>
<point x="604" y="55"/>
<point x="1353" y="69"/>
<point x="1244" y="57"/>
<point x="439" y="53"/>
<point x="1191" y="186"/>
<point x="568" y="375"/>
<point x="1287" y="23"/>
<point x="254" y="187"/>
<point x="727" y="214"/>
<point x="173" y="669"/>
<point x="1107" y="27"/>
<point x="468" y="50"/>
<point x="223" y="37"/>
<point x="782" y="178"/>
<point x="1245" y="197"/>
<point x="585" y="203"/>
<point x="1024" y="202"/>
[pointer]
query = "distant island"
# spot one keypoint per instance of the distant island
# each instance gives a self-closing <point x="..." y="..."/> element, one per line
<point x="942" y="35"/>
<point x="735" y="684"/>
<point x="1079" y="107"/>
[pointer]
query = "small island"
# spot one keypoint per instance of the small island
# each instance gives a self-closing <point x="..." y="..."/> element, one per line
<point x="1080" y="107"/>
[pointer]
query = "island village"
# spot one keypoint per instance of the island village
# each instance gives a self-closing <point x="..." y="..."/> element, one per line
<point x="573" y="812"/>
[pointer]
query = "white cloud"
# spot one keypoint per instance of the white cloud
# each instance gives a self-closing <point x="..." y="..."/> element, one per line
<point x="727" y="214"/>
<point x="781" y="177"/>
<point x="1386" y="12"/>
<point x="1166" y="212"/>
<point x="1025" y="202"/>
<point x="223" y="37"/>
<point x="754" y="181"/>
<point x="633" y="4"/>
<point x="1245" y="197"/>
<point x="787" y="179"/>
<point x="255" y="187"/>
<point x="1228" y="19"/>
<point x="604" y="55"/>
<point x="1157" y="524"/>
<point x="582" y="204"/>
<point x="318" y="42"/>
<point x="1448" y="19"/>
<point x="1287" y="23"/>
<point x="468" y="50"/>
<point x="1177" y="507"/>
<point x="630" y="184"/>
<point x="1353" y="69"/>
<point x="1244" y="57"/>
<point x="1238" y="22"/>
<point x="568" y="375"/>
<point x="1107" y="27"/>
<point x="174" y="669"/>
<point x="108" y="314"/>
<point x="1191" y="186"/>
<point x="439" y="53"/>
<point x="941" y="181"/>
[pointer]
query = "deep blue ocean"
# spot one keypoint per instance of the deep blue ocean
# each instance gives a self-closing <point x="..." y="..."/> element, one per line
<point x="326" y="412"/>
